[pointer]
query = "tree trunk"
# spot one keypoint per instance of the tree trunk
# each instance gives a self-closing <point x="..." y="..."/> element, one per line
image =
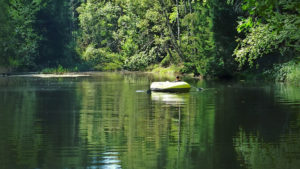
<point x="185" y="8"/>
<point x="178" y="24"/>
<point x="173" y="39"/>
<point x="190" y="6"/>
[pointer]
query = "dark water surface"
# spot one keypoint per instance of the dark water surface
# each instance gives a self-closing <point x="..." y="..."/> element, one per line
<point x="108" y="121"/>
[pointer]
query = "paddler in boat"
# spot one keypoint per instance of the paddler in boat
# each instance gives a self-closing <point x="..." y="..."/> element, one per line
<point x="178" y="79"/>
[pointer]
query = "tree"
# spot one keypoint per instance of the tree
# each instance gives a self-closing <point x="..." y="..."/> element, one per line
<point x="4" y="31"/>
<point x="99" y="22"/>
<point x="57" y="25"/>
<point x="198" y="40"/>
<point x="19" y="38"/>
<point x="272" y="26"/>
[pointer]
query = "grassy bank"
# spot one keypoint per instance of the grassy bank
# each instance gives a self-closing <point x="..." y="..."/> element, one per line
<point x="171" y="70"/>
<point x="58" y="70"/>
<point x="288" y="73"/>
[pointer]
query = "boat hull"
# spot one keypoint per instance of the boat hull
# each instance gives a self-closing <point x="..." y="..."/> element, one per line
<point x="170" y="86"/>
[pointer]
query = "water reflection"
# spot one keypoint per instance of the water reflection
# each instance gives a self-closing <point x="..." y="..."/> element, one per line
<point x="254" y="152"/>
<point x="102" y="122"/>
<point x="269" y="130"/>
<point x="170" y="98"/>
<point x="108" y="160"/>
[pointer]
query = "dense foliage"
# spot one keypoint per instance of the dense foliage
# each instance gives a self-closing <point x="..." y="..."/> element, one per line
<point x="134" y="34"/>
<point x="205" y="37"/>
<point x="272" y="26"/>
<point x="19" y="40"/>
<point x="36" y="34"/>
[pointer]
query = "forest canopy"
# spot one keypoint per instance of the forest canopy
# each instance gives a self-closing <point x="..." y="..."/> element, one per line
<point x="211" y="38"/>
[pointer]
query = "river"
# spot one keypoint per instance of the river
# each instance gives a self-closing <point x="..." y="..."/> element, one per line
<point x="107" y="120"/>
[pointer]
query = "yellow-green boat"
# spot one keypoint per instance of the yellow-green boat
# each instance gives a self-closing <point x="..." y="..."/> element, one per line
<point x="170" y="86"/>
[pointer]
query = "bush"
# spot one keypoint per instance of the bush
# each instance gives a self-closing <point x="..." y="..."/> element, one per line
<point x="287" y="72"/>
<point x="102" y="58"/>
<point x="173" y="69"/>
<point x="59" y="70"/>
<point x="138" y="61"/>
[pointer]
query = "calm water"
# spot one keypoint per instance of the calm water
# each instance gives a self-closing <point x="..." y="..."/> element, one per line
<point x="108" y="121"/>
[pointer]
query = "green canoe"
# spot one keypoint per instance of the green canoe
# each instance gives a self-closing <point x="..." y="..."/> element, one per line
<point x="170" y="86"/>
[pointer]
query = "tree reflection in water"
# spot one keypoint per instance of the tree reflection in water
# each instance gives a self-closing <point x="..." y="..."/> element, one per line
<point x="256" y="153"/>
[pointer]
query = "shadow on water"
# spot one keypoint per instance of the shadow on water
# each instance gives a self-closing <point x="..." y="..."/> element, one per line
<point x="260" y="125"/>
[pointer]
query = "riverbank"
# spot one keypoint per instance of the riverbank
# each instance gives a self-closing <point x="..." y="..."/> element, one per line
<point x="53" y="75"/>
<point x="288" y="73"/>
